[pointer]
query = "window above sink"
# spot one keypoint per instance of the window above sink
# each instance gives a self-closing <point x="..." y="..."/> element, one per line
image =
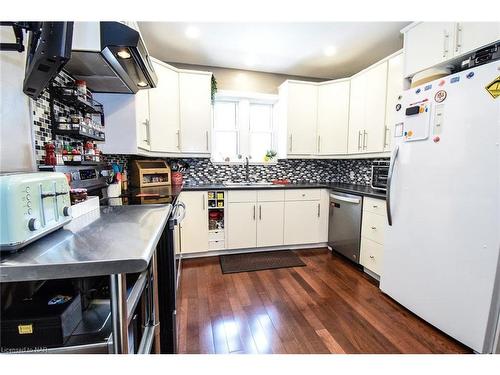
<point x="244" y="124"/>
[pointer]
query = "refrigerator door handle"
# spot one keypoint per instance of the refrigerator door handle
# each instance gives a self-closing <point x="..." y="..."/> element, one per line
<point x="389" y="181"/>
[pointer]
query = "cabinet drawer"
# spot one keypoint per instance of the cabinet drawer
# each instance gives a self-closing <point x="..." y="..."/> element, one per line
<point x="242" y="196"/>
<point x="377" y="206"/>
<point x="371" y="256"/>
<point x="271" y="195"/>
<point x="216" y="245"/>
<point x="216" y="235"/>
<point x="302" y="194"/>
<point x="373" y="227"/>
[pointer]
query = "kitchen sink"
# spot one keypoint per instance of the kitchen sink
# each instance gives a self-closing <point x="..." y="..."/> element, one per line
<point x="245" y="183"/>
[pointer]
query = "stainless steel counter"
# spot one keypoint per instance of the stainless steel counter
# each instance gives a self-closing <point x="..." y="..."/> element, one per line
<point x="113" y="240"/>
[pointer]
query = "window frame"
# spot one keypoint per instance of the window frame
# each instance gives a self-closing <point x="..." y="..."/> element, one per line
<point x="244" y="101"/>
<point x="236" y="129"/>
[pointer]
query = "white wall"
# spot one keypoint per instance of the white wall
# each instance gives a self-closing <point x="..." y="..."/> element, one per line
<point x="246" y="80"/>
<point x="16" y="140"/>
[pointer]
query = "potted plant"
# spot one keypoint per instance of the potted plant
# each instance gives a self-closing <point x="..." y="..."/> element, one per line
<point x="271" y="156"/>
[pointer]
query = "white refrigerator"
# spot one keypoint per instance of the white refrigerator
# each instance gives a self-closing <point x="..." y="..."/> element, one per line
<point x="441" y="253"/>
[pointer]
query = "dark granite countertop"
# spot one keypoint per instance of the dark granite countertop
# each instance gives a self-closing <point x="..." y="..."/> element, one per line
<point x="346" y="188"/>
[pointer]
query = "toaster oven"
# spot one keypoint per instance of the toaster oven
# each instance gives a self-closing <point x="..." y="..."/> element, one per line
<point x="32" y="205"/>
<point x="380" y="172"/>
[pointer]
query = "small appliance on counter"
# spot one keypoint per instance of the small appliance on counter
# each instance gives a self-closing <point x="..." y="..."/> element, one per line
<point x="33" y="205"/>
<point x="144" y="173"/>
<point x="380" y="171"/>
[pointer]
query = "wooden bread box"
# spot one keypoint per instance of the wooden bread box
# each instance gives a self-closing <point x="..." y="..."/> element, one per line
<point x="149" y="172"/>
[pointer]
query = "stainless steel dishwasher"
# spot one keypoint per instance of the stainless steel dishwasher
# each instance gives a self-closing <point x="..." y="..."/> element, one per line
<point x="344" y="226"/>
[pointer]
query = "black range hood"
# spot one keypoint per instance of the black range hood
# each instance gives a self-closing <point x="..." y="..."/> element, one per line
<point x="111" y="57"/>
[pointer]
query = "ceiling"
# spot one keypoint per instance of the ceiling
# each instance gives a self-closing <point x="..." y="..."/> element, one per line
<point x="321" y="50"/>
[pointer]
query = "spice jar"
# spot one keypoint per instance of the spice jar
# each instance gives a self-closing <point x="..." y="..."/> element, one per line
<point x="81" y="88"/>
<point x="50" y="155"/>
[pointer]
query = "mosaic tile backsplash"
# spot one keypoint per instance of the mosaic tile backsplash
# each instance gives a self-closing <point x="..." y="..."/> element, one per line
<point x="203" y="171"/>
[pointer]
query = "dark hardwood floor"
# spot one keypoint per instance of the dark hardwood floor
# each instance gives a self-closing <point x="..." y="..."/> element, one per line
<point x="329" y="306"/>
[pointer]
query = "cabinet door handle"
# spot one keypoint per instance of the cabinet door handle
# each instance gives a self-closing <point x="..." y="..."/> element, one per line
<point x="260" y="212"/>
<point x="178" y="139"/>
<point x="206" y="138"/>
<point x="319" y="209"/>
<point x="319" y="143"/>
<point x="291" y="142"/>
<point x="374" y="228"/>
<point x="203" y="201"/>
<point x="254" y="212"/>
<point x="146" y="123"/>
<point x="446" y="37"/>
<point x="458" y="37"/>
<point x="385" y="136"/>
<point x="359" y="140"/>
<point x="365" y="135"/>
<point x="372" y="257"/>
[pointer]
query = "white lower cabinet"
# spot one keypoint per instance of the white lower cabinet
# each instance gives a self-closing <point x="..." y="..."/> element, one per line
<point x="256" y="218"/>
<point x="194" y="227"/>
<point x="270" y="220"/>
<point x="324" y="207"/>
<point x="302" y="219"/>
<point x="371" y="256"/>
<point x="241" y="222"/>
<point x="373" y="227"/>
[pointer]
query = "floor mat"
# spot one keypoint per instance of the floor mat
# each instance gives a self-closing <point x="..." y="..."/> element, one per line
<point x="265" y="260"/>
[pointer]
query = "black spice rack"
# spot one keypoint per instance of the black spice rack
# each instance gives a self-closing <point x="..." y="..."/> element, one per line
<point x="79" y="134"/>
<point x="70" y="97"/>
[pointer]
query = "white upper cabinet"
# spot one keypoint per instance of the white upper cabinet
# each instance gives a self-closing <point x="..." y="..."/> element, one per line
<point x="394" y="92"/>
<point x="172" y="119"/>
<point x="164" y="110"/>
<point x="143" y="120"/>
<point x="195" y="111"/>
<point x="333" y="117"/>
<point x="472" y="35"/>
<point x="427" y="44"/>
<point x="299" y="107"/>
<point x="356" y="114"/>
<point x="367" y="110"/>
<point x="375" y="92"/>
<point x="127" y="122"/>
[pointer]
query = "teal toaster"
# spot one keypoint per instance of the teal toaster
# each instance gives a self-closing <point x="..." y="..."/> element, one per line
<point x="31" y="206"/>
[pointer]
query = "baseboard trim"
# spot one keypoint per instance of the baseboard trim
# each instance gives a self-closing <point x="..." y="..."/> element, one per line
<point x="251" y="250"/>
<point x="371" y="273"/>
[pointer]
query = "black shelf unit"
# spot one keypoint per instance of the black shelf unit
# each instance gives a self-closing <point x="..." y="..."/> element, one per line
<point x="79" y="134"/>
<point x="68" y="96"/>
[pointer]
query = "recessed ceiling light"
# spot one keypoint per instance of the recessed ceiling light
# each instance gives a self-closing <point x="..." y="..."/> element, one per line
<point x="142" y="84"/>
<point x="123" y="54"/>
<point x="329" y="51"/>
<point x="192" y="32"/>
